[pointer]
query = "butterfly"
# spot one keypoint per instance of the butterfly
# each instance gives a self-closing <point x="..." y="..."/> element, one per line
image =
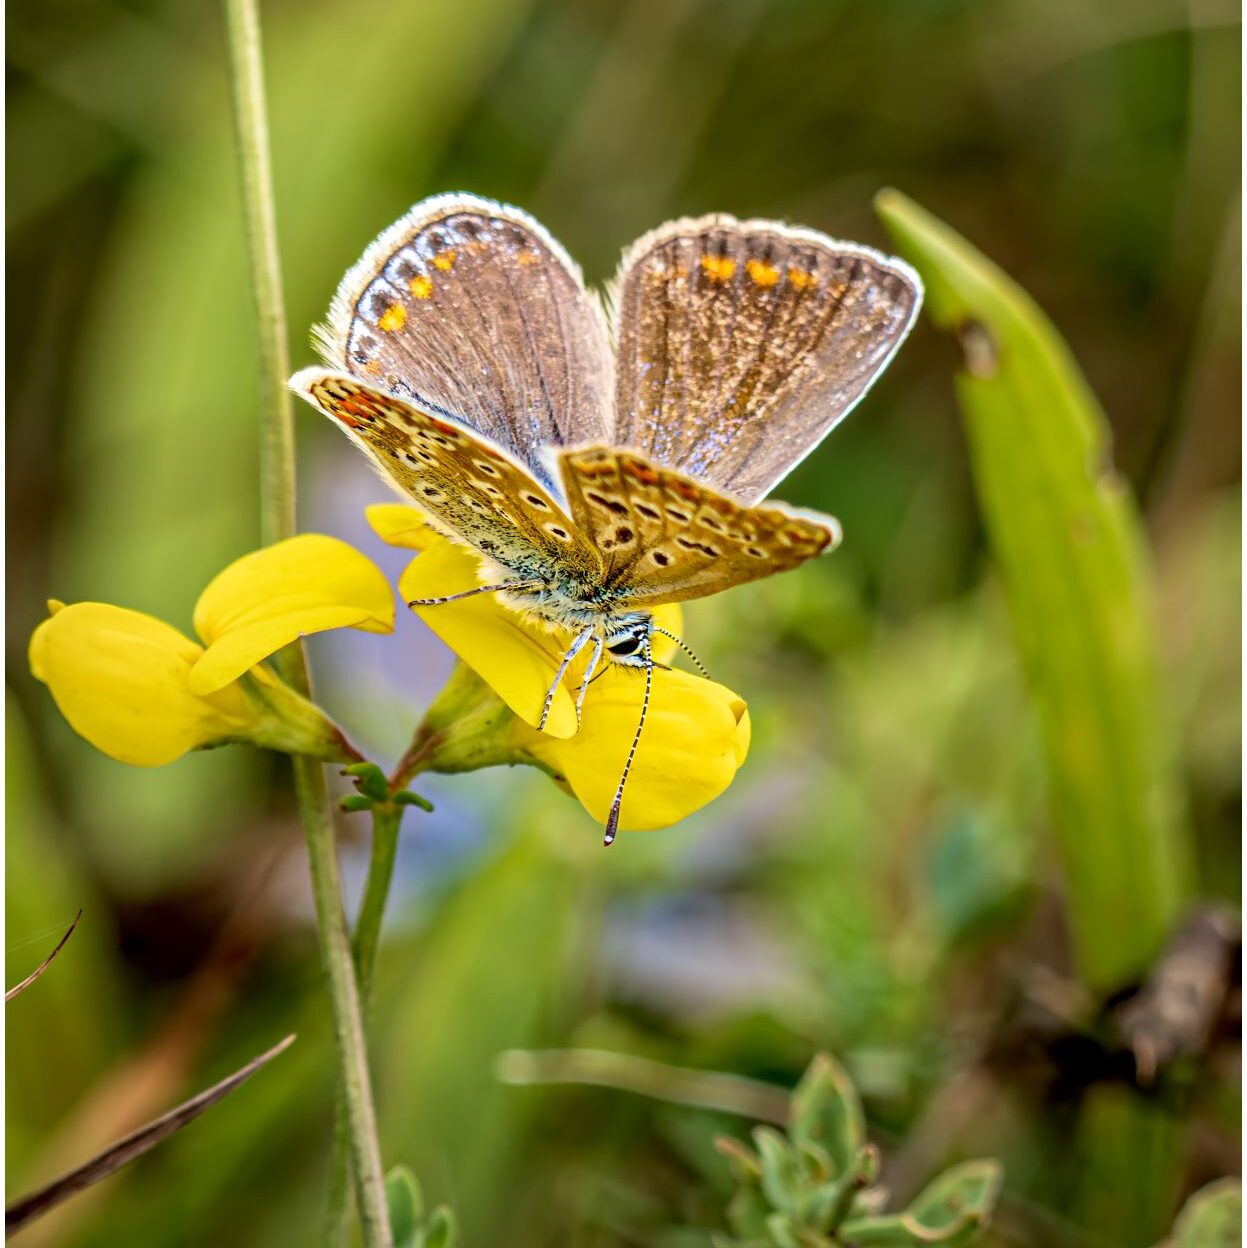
<point x="602" y="458"/>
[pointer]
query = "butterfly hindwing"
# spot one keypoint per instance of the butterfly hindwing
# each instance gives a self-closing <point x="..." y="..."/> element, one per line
<point x="472" y="306"/>
<point x="664" y="537"/>
<point x="741" y="344"/>
<point x="468" y="489"/>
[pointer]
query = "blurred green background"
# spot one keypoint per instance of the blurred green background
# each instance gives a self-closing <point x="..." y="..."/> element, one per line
<point x="882" y="879"/>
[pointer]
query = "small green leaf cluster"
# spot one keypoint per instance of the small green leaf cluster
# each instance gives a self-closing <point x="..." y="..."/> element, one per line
<point x="408" y="1225"/>
<point x="815" y="1185"/>
<point x="373" y="790"/>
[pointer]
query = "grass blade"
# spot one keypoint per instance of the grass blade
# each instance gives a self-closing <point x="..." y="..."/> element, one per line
<point x="28" y="1208"/>
<point x="18" y="989"/>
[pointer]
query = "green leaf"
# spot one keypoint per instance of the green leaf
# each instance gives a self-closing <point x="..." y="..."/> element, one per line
<point x="952" y="1211"/>
<point x="782" y="1232"/>
<point x="892" y="1230"/>
<point x="747" y="1213"/>
<point x="741" y="1159"/>
<point x="969" y="1189"/>
<point x="355" y="802"/>
<point x="1069" y="549"/>
<point x="406" y="1206"/>
<point x="1212" y="1217"/>
<point x="407" y="798"/>
<point x="369" y="780"/>
<point x="443" y="1230"/>
<point x="834" y="1201"/>
<point x="781" y="1169"/>
<point x="827" y="1111"/>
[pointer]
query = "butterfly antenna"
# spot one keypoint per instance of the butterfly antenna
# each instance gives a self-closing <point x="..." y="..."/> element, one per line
<point x="612" y="822"/>
<point x="471" y="593"/>
<point x="697" y="663"/>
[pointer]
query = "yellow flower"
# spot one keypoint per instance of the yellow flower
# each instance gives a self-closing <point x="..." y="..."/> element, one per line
<point x="696" y="732"/>
<point x="143" y="693"/>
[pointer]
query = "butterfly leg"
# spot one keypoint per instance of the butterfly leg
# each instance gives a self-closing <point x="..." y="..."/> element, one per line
<point x="471" y="593"/>
<point x="572" y="652"/>
<point x="612" y="822"/>
<point x="598" y="643"/>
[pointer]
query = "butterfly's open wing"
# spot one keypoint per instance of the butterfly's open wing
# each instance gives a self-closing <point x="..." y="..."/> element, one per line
<point x="741" y="344"/>
<point x="468" y="488"/>
<point x="664" y="537"/>
<point x="471" y="306"/>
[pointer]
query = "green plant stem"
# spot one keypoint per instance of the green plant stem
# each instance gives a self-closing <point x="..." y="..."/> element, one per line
<point x="385" y="825"/>
<point x="277" y="521"/>
<point x="277" y="480"/>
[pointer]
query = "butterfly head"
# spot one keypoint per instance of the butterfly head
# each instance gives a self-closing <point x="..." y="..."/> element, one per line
<point x="627" y="640"/>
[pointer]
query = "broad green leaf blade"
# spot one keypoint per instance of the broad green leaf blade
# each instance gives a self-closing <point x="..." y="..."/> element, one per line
<point x="1212" y="1218"/>
<point x="1069" y="549"/>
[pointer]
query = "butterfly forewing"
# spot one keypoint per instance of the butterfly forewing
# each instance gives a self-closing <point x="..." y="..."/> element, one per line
<point x="741" y="344"/>
<point x="468" y="489"/>
<point x="472" y="307"/>
<point x="666" y="538"/>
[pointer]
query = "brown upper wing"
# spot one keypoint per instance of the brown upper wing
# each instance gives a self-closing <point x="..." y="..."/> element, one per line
<point x="667" y="538"/>
<point x="740" y="344"/>
<point x="470" y="306"/>
<point x="468" y="489"/>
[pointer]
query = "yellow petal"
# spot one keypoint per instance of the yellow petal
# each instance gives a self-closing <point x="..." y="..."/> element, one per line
<point x="510" y="652"/>
<point x="120" y="678"/>
<point x="671" y="617"/>
<point x="695" y="738"/>
<point x="265" y="600"/>
<point x="400" y="525"/>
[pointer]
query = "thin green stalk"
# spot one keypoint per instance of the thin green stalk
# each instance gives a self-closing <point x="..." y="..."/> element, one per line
<point x="277" y="481"/>
<point x="277" y="521"/>
<point x="385" y="824"/>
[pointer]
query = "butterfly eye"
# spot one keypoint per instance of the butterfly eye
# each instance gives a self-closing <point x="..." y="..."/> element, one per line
<point x="624" y="647"/>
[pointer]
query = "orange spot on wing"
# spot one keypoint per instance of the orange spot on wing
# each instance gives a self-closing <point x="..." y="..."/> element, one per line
<point x="687" y="492"/>
<point x="762" y="273"/>
<point x="718" y="268"/>
<point x="445" y="262"/>
<point x="393" y="318"/>
<point x="801" y="279"/>
<point x="640" y="472"/>
<point x="421" y="286"/>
